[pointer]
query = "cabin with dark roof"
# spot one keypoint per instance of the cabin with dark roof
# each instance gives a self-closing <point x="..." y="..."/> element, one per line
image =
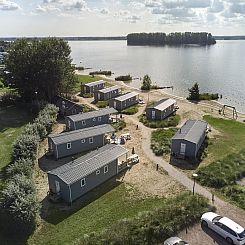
<point x="89" y="119"/>
<point x="107" y="93"/>
<point x="124" y="101"/>
<point x="188" y="139"/>
<point x="78" y="177"/>
<point x="67" y="107"/>
<point x="77" y="141"/>
<point x="161" y="109"/>
<point x="90" y="88"/>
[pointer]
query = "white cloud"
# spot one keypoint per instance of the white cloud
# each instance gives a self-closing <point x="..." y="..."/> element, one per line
<point x="8" y="5"/>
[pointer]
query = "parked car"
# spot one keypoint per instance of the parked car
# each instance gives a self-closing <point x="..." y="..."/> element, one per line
<point x="175" y="241"/>
<point x="225" y="227"/>
<point x="127" y="136"/>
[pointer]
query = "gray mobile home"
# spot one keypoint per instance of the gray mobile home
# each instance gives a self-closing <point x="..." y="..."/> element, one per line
<point x="89" y="119"/>
<point x="124" y="101"/>
<point x="188" y="139"/>
<point x="90" y="88"/>
<point x="161" y="109"/>
<point x="71" y="143"/>
<point x="107" y="93"/>
<point x="67" y="107"/>
<point x="78" y="177"/>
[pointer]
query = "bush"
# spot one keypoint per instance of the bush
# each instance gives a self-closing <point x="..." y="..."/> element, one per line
<point x="35" y="128"/>
<point x="207" y="96"/>
<point x="235" y="193"/>
<point x="154" y="226"/>
<point x="102" y="104"/>
<point x="131" y="110"/>
<point x="171" y="121"/>
<point x="106" y="73"/>
<point x="124" y="78"/>
<point x="25" y="147"/>
<point x="8" y="98"/>
<point x="120" y="125"/>
<point x="161" y="141"/>
<point x="87" y="95"/>
<point x="19" y="202"/>
<point x="21" y="166"/>
<point x="146" y="84"/>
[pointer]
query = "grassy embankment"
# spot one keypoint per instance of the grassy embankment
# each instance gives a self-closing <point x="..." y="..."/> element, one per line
<point x="225" y="163"/>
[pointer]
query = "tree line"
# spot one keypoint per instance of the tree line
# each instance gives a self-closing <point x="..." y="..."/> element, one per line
<point x="174" y="38"/>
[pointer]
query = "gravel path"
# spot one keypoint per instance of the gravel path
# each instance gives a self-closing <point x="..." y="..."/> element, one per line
<point x="195" y="234"/>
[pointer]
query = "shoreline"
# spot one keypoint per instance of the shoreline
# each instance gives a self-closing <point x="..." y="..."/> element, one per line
<point x="209" y="104"/>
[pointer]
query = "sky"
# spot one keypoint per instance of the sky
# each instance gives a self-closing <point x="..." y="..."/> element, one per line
<point x="30" y="18"/>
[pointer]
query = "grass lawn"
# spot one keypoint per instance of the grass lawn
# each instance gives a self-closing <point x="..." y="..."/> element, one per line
<point x="63" y="227"/>
<point x="130" y="110"/>
<point x="12" y="120"/>
<point x="231" y="140"/>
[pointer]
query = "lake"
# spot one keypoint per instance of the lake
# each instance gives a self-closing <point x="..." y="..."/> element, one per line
<point x="218" y="69"/>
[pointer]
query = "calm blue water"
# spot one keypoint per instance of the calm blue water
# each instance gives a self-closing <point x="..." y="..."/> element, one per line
<point x="217" y="69"/>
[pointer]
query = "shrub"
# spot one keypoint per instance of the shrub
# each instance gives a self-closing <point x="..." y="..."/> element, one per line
<point x="120" y="125"/>
<point x="131" y="110"/>
<point x="124" y="78"/>
<point x="207" y="96"/>
<point x="161" y="141"/>
<point x="21" y="166"/>
<point x="35" y="128"/>
<point x="171" y="121"/>
<point x="106" y="73"/>
<point x="154" y="226"/>
<point x="19" y="202"/>
<point x="235" y="193"/>
<point x="8" y="98"/>
<point x="102" y="104"/>
<point x="87" y="95"/>
<point x="25" y="147"/>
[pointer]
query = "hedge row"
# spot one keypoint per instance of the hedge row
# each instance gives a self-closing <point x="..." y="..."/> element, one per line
<point x="153" y="227"/>
<point x="20" y="207"/>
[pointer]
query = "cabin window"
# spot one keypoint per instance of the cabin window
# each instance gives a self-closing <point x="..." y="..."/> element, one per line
<point x="94" y="119"/>
<point x="68" y="146"/>
<point x="97" y="172"/>
<point x="83" y="182"/>
<point x="69" y="124"/>
<point x="83" y="141"/>
<point x="106" y="169"/>
<point x="91" y="140"/>
<point x="99" y="119"/>
<point x="83" y="122"/>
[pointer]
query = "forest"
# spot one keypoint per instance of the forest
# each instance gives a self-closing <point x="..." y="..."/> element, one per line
<point x="175" y="38"/>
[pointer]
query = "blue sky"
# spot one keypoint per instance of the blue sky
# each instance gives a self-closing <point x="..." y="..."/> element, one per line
<point x="119" y="17"/>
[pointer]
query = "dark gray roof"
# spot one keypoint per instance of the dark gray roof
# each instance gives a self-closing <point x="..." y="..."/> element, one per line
<point x="109" y="89"/>
<point x="126" y="96"/>
<point x="162" y="104"/>
<point x="191" y="131"/>
<point x="94" y="83"/>
<point x="89" y="163"/>
<point x="92" y="114"/>
<point x="81" y="134"/>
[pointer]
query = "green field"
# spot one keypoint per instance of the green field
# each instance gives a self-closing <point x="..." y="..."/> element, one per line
<point x="12" y="120"/>
<point x="114" y="204"/>
<point x="230" y="140"/>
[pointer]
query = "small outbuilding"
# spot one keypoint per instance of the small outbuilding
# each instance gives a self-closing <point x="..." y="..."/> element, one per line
<point x="90" y="88"/>
<point x="78" y="177"/>
<point x="107" y="93"/>
<point x="89" y="119"/>
<point x="67" y="107"/>
<point x="161" y="109"/>
<point x="71" y="143"/>
<point x="124" y="101"/>
<point x="188" y="139"/>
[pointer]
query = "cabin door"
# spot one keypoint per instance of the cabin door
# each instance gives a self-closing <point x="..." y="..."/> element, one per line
<point x="153" y="115"/>
<point x="115" y="104"/>
<point x="182" y="149"/>
<point x="99" y="96"/>
<point x="57" y="186"/>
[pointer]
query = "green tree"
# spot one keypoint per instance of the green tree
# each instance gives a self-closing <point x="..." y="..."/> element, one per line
<point x="146" y="85"/>
<point x="41" y="69"/>
<point x="194" y="92"/>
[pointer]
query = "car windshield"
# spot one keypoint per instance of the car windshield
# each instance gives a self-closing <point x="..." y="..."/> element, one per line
<point x="217" y="218"/>
<point x="181" y="243"/>
<point x="242" y="235"/>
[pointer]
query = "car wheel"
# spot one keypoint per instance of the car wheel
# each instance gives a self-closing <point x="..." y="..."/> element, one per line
<point x="229" y="240"/>
<point x="204" y="223"/>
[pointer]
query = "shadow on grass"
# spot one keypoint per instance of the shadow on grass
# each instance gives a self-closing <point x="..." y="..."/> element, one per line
<point x="56" y="213"/>
<point x="217" y="239"/>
